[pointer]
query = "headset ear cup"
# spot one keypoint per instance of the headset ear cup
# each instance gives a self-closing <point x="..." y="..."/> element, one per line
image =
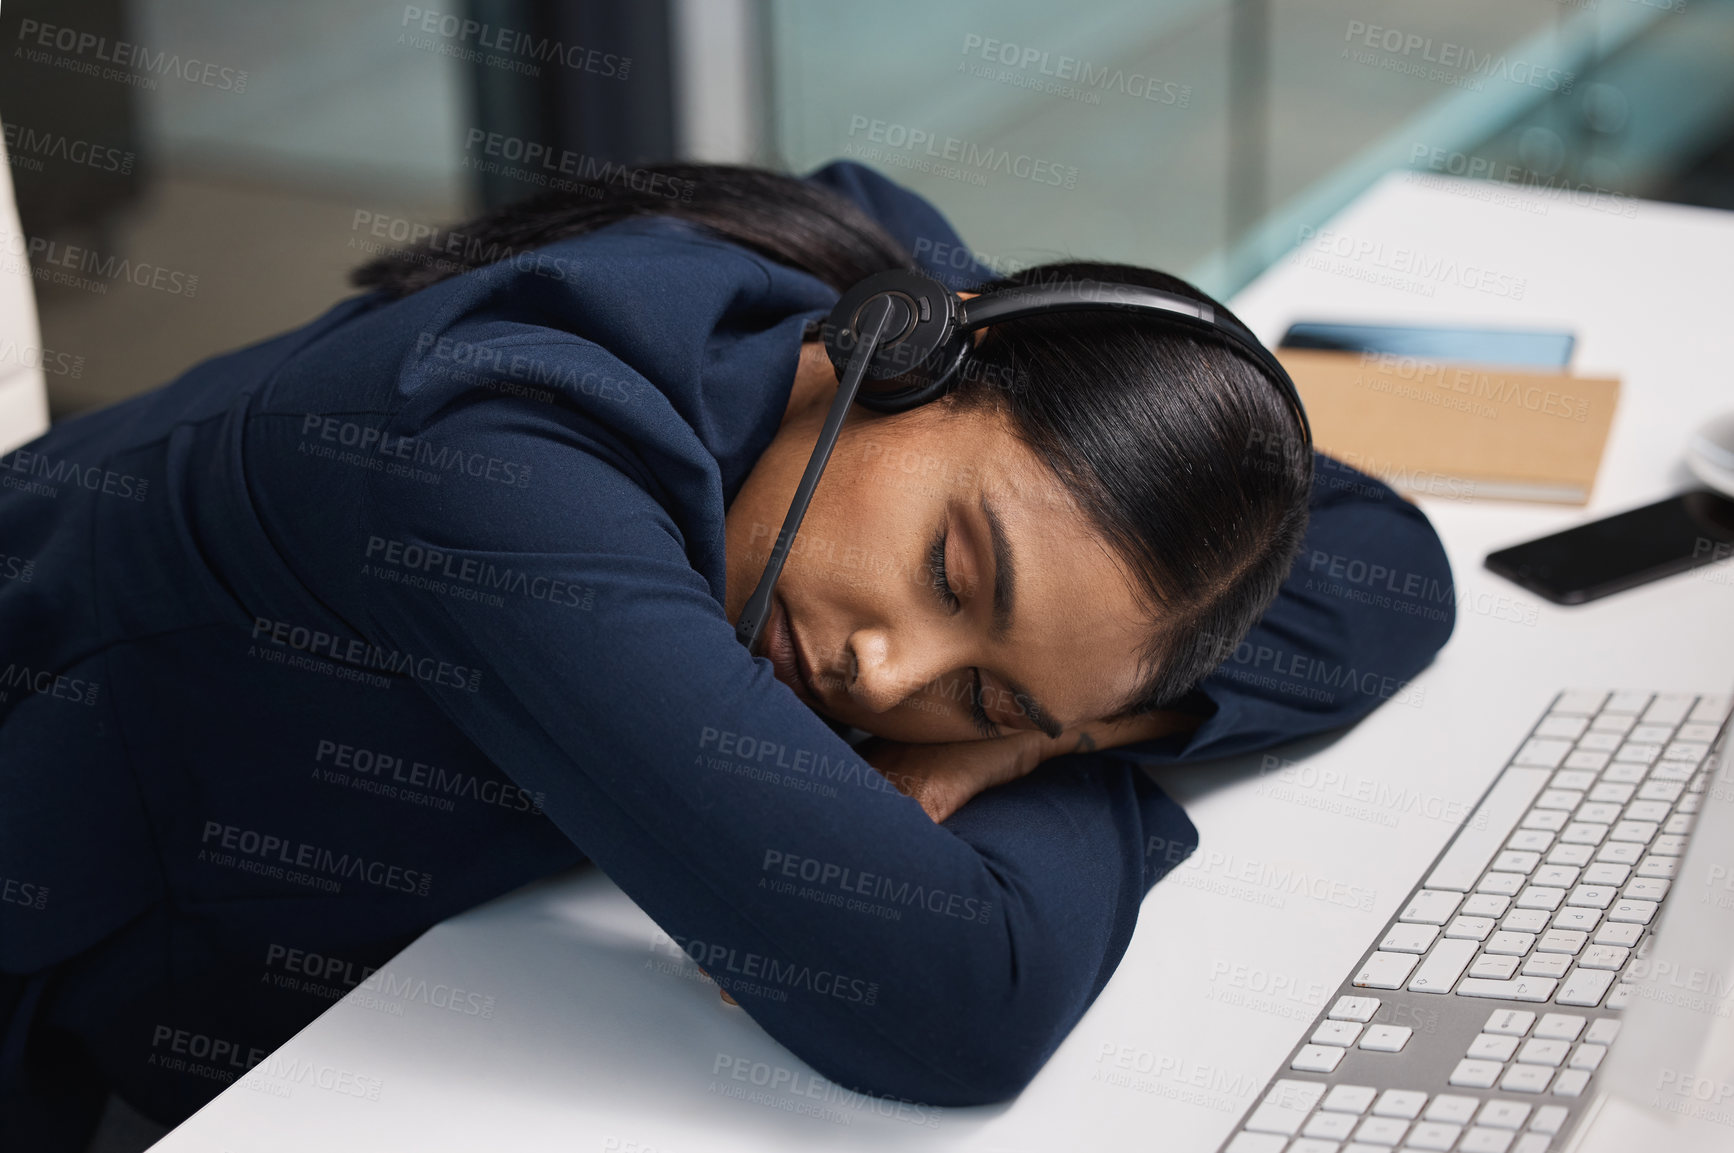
<point x="917" y="354"/>
<point x="932" y="379"/>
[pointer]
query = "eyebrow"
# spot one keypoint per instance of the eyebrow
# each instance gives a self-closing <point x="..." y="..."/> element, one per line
<point x="1004" y="593"/>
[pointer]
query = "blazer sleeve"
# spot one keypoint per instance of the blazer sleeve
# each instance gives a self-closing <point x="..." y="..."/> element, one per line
<point x="1369" y="602"/>
<point x="611" y="682"/>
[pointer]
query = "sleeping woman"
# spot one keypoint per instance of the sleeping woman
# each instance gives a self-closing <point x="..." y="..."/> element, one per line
<point x="344" y="633"/>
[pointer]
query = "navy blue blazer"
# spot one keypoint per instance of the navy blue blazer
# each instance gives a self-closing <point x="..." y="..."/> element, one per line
<point x="346" y="632"/>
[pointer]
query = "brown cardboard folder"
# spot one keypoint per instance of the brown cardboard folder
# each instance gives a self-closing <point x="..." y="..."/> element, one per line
<point x="1457" y="430"/>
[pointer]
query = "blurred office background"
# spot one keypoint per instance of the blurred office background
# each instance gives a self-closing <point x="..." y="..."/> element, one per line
<point x="225" y="162"/>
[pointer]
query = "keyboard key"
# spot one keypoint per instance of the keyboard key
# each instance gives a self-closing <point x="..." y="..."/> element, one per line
<point x="1404" y="1103"/>
<point x="1539" y="1051"/>
<point x="1431" y="907"/>
<point x="1385" y="970"/>
<point x="1653" y="811"/>
<point x="1547" y="965"/>
<point x="1330" y="1126"/>
<point x="1255" y="1143"/>
<point x="1639" y="831"/>
<point x="1587" y="1056"/>
<point x="1317" y="1058"/>
<point x="1348" y="1099"/>
<point x="1603" y="957"/>
<point x="1621" y="852"/>
<point x="1625" y="936"/>
<point x="1668" y="845"/>
<point x="1526" y="1143"/>
<point x="1433" y="1135"/>
<point x="1636" y="912"/>
<point x="1335" y="1033"/>
<point x="1592" y="896"/>
<point x="1570" y="854"/>
<point x="1354" y="1009"/>
<point x="1308" y="1145"/>
<point x="1587" y="759"/>
<point x="1651" y="734"/>
<point x="1451" y="1108"/>
<point x="1482" y="834"/>
<point x="1558" y="876"/>
<point x="1503" y="884"/>
<point x="1511" y="944"/>
<point x="1549" y="1119"/>
<point x="1602" y="814"/>
<point x="1542" y="752"/>
<point x="1664" y="867"/>
<point x="1382" y="1130"/>
<point x="1285" y="1106"/>
<point x="1577" y="779"/>
<point x="1531" y="840"/>
<point x="1484" y="1140"/>
<point x="1584" y="987"/>
<point x="1526" y="1078"/>
<point x="1545" y="820"/>
<point x="1516" y="989"/>
<point x="1647" y="889"/>
<point x="1579" y="702"/>
<point x="1680" y="823"/>
<point x="1496" y="967"/>
<point x="1485" y="905"/>
<point x="1638" y="752"/>
<point x="1525" y="921"/>
<point x="1512" y="1022"/>
<point x="1540" y="897"/>
<point x="1692" y="751"/>
<point x="1668" y="791"/>
<point x="1583" y="833"/>
<point x="1559" y="799"/>
<point x="1557" y="724"/>
<point x="1387" y="1038"/>
<point x="1604" y="873"/>
<point x="1513" y="861"/>
<point x="1470" y="928"/>
<point x="1578" y="920"/>
<point x="1610" y="793"/>
<point x="1503" y="1114"/>
<point x="1492" y="1047"/>
<point x="1627" y="701"/>
<point x="1570" y="1082"/>
<point x="1619" y="997"/>
<point x="1409" y="938"/>
<point x="1560" y="1026"/>
<point x="1473" y="1074"/>
<point x="1603" y="1030"/>
<point x="1612" y="723"/>
<point x="1561" y="941"/>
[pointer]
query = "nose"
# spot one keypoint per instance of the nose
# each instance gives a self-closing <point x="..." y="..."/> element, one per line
<point x="886" y="669"/>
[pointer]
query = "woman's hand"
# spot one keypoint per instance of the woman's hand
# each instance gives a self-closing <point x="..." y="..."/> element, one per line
<point x="943" y="776"/>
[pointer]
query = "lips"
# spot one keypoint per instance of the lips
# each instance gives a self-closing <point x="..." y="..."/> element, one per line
<point x="785" y="655"/>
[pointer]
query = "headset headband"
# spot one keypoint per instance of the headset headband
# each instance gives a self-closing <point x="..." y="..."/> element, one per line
<point x="899" y="340"/>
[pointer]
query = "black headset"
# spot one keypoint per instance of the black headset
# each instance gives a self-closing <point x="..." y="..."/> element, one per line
<point x="900" y="339"/>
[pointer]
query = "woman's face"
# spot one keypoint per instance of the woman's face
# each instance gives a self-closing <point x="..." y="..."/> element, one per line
<point x="939" y="553"/>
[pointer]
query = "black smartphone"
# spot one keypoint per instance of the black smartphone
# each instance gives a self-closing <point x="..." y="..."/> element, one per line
<point x="1623" y="550"/>
<point x="1514" y="348"/>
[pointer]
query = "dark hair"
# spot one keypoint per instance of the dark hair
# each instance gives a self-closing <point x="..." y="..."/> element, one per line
<point x="1181" y="452"/>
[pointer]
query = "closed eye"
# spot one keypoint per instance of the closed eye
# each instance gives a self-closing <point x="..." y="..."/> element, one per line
<point x="941" y="582"/>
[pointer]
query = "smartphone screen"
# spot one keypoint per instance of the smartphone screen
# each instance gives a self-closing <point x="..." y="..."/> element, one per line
<point x="1623" y="550"/>
<point x="1513" y="348"/>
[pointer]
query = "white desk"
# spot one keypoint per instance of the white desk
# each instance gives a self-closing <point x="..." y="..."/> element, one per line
<point x="600" y="1041"/>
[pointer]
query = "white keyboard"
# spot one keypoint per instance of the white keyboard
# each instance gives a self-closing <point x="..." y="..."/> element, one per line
<point x="1510" y="948"/>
